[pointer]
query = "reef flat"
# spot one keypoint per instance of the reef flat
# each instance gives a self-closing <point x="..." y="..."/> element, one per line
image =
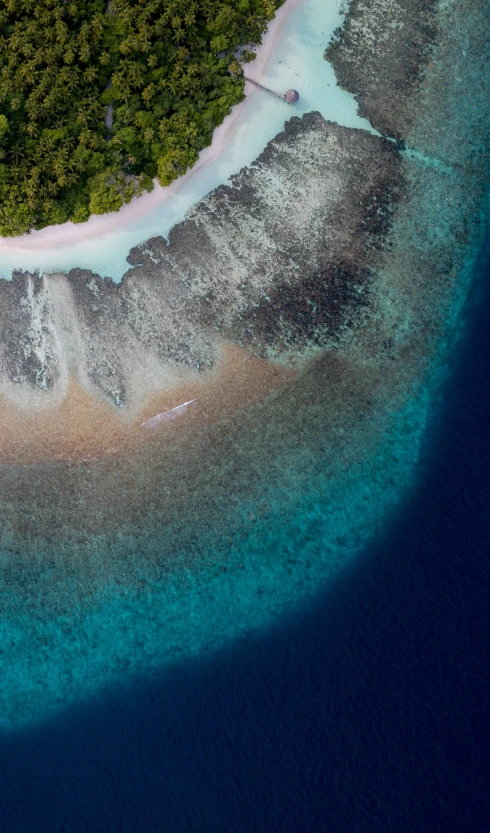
<point x="339" y="258"/>
<point x="246" y="264"/>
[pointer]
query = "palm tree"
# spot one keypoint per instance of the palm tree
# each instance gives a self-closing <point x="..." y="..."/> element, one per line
<point x="148" y="93"/>
<point x="178" y="35"/>
<point x="90" y="74"/>
<point x="97" y="25"/>
<point x="94" y="141"/>
<point x="84" y="52"/>
<point x="190" y="18"/>
<point x="82" y="117"/>
<point x="173" y="84"/>
<point x="84" y="137"/>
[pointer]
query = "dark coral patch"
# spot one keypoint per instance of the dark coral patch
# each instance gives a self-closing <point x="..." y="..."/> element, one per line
<point x="310" y="311"/>
<point x="381" y="59"/>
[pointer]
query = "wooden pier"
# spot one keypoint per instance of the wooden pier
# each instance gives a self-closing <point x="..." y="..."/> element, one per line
<point x="290" y="96"/>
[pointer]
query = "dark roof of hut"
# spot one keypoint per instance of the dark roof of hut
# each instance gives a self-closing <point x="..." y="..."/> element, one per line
<point x="292" y="96"/>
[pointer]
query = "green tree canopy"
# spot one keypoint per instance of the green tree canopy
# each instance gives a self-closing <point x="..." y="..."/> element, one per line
<point x="163" y="66"/>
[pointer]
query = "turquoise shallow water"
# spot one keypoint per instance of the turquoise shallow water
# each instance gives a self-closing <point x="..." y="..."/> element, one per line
<point x="333" y="718"/>
<point x="111" y="570"/>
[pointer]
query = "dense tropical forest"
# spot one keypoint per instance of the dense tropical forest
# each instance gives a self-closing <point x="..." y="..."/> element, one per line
<point x="98" y="98"/>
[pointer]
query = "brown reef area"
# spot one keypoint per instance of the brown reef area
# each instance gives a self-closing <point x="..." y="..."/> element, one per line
<point x="83" y="425"/>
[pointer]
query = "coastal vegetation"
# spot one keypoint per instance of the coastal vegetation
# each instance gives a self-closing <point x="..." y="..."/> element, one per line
<point x="97" y="99"/>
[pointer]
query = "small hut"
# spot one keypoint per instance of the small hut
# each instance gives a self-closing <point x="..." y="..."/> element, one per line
<point x="290" y="96"/>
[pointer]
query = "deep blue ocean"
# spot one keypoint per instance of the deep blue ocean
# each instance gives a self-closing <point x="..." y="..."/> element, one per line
<point x="367" y="711"/>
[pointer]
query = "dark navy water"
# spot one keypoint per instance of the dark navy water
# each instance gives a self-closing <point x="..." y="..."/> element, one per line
<point x="366" y="712"/>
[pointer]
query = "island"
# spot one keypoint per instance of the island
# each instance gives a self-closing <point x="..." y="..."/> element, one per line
<point x="97" y="100"/>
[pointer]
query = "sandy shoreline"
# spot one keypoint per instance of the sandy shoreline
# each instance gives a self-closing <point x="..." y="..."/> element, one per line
<point x="98" y="225"/>
<point x="85" y="427"/>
